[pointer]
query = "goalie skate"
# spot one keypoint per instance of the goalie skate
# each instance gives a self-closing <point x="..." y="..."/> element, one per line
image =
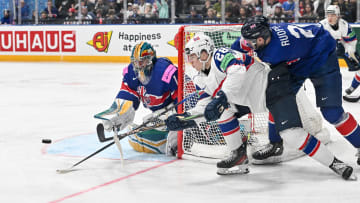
<point x="342" y="169"/>
<point x="271" y="153"/>
<point x="236" y="163"/>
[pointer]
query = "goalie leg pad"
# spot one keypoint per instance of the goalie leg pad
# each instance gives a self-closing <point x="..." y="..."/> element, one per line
<point x="150" y="141"/>
<point x="281" y="101"/>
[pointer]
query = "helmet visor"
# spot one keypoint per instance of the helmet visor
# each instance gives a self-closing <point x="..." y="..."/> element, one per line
<point x="251" y="43"/>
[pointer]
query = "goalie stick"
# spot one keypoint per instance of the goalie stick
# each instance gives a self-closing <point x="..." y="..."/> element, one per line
<point x="351" y="98"/>
<point x="121" y="136"/>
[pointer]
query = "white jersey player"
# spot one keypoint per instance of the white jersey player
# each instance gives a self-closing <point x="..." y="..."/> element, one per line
<point x="341" y="31"/>
<point x="232" y="79"/>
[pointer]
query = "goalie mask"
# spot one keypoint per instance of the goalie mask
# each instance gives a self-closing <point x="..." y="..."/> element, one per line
<point x="143" y="57"/>
<point x="333" y="14"/>
<point x="197" y="45"/>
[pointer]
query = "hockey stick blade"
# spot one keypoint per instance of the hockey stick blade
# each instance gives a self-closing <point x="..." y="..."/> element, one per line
<point x="101" y="132"/>
<point x="63" y="171"/>
<point x="352" y="99"/>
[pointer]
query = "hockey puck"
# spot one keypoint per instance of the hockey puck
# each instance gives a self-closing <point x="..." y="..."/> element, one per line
<point x="46" y="141"/>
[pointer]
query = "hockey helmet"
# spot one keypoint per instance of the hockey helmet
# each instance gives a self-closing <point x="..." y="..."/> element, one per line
<point x="255" y="27"/>
<point x="199" y="43"/>
<point x="143" y="57"/>
<point x="333" y="9"/>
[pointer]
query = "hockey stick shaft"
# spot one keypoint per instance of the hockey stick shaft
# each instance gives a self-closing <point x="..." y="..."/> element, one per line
<point x="121" y="136"/>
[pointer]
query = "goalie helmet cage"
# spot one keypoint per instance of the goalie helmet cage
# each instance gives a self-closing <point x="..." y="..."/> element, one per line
<point x="206" y="141"/>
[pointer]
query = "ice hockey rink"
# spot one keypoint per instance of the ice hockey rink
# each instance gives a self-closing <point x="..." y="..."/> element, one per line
<point x="57" y="101"/>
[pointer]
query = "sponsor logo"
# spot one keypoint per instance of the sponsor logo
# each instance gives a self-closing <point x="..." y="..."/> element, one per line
<point x="101" y="41"/>
<point x="324" y="98"/>
<point x="284" y="122"/>
<point x="38" y="41"/>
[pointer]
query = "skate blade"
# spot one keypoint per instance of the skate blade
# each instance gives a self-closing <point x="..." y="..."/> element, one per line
<point x="270" y="160"/>
<point x="353" y="177"/>
<point x="241" y="169"/>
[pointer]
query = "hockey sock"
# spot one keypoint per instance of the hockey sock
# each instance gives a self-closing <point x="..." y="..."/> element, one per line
<point x="273" y="136"/>
<point x="349" y="128"/>
<point x="298" y="138"/>
<point x="356" y="81"/>
<point x="231" y="132"/>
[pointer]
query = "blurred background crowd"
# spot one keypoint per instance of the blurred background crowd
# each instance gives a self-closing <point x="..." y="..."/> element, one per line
<point x="169" y="11"/>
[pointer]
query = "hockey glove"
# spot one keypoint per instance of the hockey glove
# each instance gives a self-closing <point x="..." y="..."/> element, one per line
<point x="216" y="107"/>
<point x="175" y="123"/>
<point x="353" y="61"/>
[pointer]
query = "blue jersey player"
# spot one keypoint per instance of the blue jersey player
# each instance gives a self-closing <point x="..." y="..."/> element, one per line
<point x="296" y="53"/>
<point x="152" y="81"/>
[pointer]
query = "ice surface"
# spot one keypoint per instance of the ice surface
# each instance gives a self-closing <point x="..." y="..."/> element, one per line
<point x="58" y="100"/>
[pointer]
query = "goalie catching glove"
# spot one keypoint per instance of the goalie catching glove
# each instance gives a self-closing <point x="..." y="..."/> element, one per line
<point x="124" y="115"/>
<point x="175" y="122"/>
<point x="216" y="107"/>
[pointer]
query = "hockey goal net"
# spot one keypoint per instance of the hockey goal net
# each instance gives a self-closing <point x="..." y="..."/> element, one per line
<point x="206" y="140"/>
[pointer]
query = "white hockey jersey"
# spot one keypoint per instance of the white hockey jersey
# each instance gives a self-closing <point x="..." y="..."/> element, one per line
<point x="344" y="33"/>
<point x="242" y="78"/>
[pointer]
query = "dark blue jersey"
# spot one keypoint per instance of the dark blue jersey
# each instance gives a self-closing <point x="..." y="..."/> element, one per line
<point x="158" y="93"/>
<point x="304" y="47"/>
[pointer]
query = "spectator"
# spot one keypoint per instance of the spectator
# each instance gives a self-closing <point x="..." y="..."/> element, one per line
<point x="278" y="15"/>
<point x="129" y="11"/>
<point x="207" y="6"/>
<point x="44" y="16"/>
<point x="25" y="10"/>
<point x="142" y="7"/>
<point x="163" y="9"/>
<point x="87" y="15"/>
<point x="71" y="14"/>
<point x="352" y="11"/>
<point x="243" y="14"/>
<point x="50" y="10"/>
<point x="113" y="5"/>
<point x="149" y="11"/>
<point x="194" y="17"/>
<point x="301" y="8"/>
<point x="320" y="7"/>
<point x="309" y="16"/>
<point x="288" y="8"/>
<point x="235" y="6"/>
<point x="270" y="10"/>
<point x="229" y="18"/>
<point x="211" y="17"/>
<point x="6" y="19"/>
<point x="111" y="16"/>
<point x="101" y="5"/>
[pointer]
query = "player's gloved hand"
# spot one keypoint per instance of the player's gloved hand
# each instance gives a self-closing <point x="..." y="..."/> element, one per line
<point x="354" y="60"/>
<point x="216" y="107"/>
<point x="175" y="122"/>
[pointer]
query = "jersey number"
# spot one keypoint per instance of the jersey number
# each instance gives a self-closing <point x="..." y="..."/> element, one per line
<point x="296" y="31"/>
<point x="221" y="53"/>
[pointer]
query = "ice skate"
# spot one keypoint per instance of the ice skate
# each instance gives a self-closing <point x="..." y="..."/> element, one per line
<point x="349" y="90"/>
<point x="271" y="152"/>
<point x="236" y="163"/>
<point x="358" y="156"/>
<point x="343" y="169"/>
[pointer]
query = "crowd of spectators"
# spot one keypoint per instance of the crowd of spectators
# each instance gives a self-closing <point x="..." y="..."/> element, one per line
<point x="158" y="11"/>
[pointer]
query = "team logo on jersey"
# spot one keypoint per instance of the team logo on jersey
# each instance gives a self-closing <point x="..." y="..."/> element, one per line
<point x="101" y="41"/>
<point x="144" y="97"/>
